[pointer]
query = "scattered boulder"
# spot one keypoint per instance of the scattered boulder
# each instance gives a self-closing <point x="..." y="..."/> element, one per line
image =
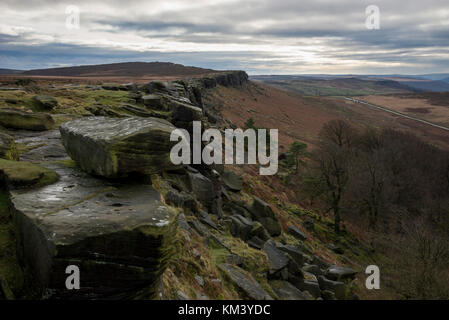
<point x="313" y="269"/>
<point x="309" y="224"/>
<point x="182" y="222"/>
<point x="334" y="248"/>
<point x="277" y="260"/>
<point x="262" y="212"/>
<point x="294" y="231"/>
<point x="154" y="101"/>
<point x="328" y="295"/>
<point x="311" y="287"/>
<point x="113" y="86"/>
<point x="183" y="114"/>
<point x="118" y="147"/>
<point x="204" y="217"/>
<point x="234" y="259"/>
<point x="286" y="291"/>
<point x="8" y="149"/>
<point x="240" y="227"/>
<point x="181" y="295"/>
<point x="321" y="263"/>
<point x="104" y="111"/>
<point x="232" y="181"/>
<point x="199" y="279"/>
<point x="137" y="111"/>
<point x="155" y="86"/>
<point x="256" y="242"/>
<point x="130" y="86"/>
<point x="337" y="287"/>
<point x="340" y="273"/>
<point x="45" y="102"/>
<point x="250" y="287"/>
<point x="202" y="188"/>
<point x="294" y="252"/>
<point x="259" y="231"/>
<point x="199" y="227"/>
<point x="14" y="119"/>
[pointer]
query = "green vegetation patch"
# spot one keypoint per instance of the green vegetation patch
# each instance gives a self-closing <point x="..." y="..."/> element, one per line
<point x="22" y="174"/>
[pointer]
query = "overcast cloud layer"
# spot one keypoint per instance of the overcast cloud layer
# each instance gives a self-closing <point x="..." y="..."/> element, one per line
<point x="259" y="36"/>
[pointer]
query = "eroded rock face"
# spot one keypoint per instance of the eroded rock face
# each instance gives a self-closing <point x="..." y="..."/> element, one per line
<point x="118" y="235"/>
<point x="117" y="147"/>
<point x="14" y="119"/>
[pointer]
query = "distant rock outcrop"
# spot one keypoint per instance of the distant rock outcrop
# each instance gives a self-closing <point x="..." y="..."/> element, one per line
<point x="226" y="79"/>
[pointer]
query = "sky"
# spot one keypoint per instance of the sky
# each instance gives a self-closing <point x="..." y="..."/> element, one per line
<point x="258" y="36"/>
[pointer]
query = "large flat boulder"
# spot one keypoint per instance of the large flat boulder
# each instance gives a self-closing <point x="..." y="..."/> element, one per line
<point x="118" y="235"/>
<point x="15" y="119"/>
<point x="118" y="147"/>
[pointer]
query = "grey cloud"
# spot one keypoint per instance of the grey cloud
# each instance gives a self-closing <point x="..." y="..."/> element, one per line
<point x="407" y="28"/>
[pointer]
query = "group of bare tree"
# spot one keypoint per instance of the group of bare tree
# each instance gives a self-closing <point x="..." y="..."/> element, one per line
<point x="385" y="176"/>
<point x="397" y="187"/>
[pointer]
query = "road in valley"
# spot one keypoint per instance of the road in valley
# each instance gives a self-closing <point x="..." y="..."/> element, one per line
<point x="397" y="113"/>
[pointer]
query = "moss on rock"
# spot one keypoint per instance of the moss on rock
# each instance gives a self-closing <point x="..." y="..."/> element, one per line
<point x="23" y="174"/>
<point x="8" y="149"/>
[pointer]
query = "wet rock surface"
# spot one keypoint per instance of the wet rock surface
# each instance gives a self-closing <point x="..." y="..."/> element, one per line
<point x="119" y="234"/>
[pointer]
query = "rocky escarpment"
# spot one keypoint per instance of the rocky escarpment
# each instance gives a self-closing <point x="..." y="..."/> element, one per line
<point x="226" y="79"/>
<point x="127" y="218"/>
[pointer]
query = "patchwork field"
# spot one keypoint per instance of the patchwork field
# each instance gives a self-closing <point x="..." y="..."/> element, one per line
<point x="414" y="105"/>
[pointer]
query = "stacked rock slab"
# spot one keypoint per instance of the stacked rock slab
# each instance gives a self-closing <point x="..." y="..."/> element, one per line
<point x="118" y="234"/>
<point x="118" y="147"/>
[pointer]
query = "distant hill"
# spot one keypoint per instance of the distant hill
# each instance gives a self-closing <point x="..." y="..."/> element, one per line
<point x="350" y="86"/>
<point x="428" y="85"/>
<point x="446" y="80"/>
<point x="10" y="71"/>
<point x="127" y="69"/>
